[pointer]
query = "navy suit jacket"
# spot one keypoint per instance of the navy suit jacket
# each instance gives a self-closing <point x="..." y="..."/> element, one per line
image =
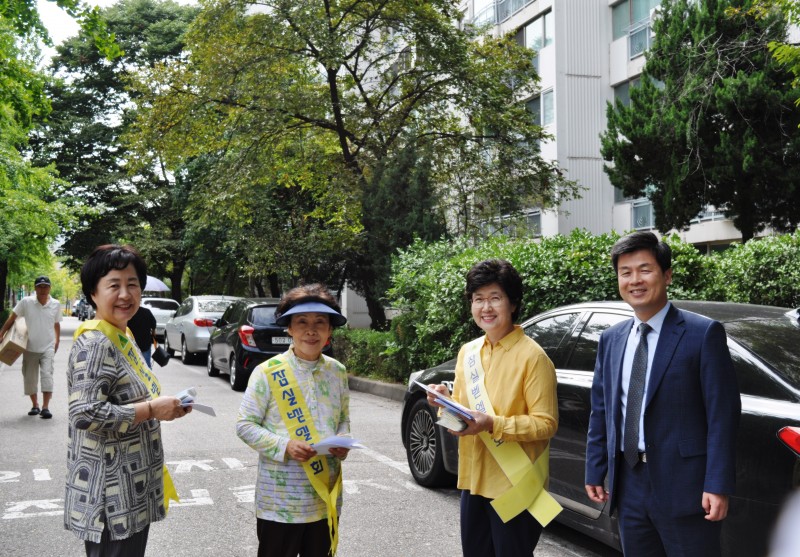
<point x="691" y="413"/>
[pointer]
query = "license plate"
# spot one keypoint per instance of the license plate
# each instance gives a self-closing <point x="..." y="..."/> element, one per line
<point x="281" y="340"/>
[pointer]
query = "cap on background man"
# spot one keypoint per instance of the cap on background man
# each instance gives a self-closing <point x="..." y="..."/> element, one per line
<point x="41" y="280"/>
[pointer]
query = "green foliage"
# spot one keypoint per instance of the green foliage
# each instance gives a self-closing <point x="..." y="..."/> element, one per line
<point x="763" y="271"/>
<point x="712" y="123"/>
<point x="365" y="353"/>
<point x="330" y="99"/>
<point x="428" y="282"/>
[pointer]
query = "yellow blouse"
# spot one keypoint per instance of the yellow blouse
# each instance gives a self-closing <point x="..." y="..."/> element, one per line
<point x="521" y="384"/>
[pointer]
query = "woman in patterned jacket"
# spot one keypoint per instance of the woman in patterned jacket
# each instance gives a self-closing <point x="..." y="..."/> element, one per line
<point x="116" y="480"/>
<point x="293" y="401"/>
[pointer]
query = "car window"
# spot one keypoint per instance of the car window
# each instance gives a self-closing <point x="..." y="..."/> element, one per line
<point x="169" y="305"/>
<point x="213" y="306"/>
<point x="585" y="353"/>
<point x="228" y="315"/>
<point x="549" y="333"/>
<point x="774" y="340"/>
<point x="753" y="379"/>
<point x="185" y="308"/>
<point x="262" y="315"/>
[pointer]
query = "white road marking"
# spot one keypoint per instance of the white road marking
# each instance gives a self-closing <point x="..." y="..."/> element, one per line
<point x="199" y="497"/>
<point x="233" y="463"/>
<point x="8" y="476"/>
<point x="41" y="474"/>
<point x="397" y="465"/>
<point x="50" y="507"/>
<point x="186" y="466"/>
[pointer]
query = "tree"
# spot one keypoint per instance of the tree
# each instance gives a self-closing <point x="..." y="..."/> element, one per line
<point x="713" y="122"/>
<point x="92" y="110"/>
<point x="30" y="215"/>
<point x="360" y="82"/>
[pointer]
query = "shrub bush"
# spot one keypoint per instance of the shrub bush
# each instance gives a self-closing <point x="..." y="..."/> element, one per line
<point x="434" y="321"/>
<point x="366" y="353"/>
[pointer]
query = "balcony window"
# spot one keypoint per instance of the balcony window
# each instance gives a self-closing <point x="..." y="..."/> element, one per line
<point x="628" y="13"/>
<point x="484" y="12"/>
<point x="642" y="214"/>
<point x="542" y="108"/>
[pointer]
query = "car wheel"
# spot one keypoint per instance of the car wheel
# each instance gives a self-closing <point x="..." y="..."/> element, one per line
<point x="186" y="356"/>
<point x="167" y="347"/>
<point x="210" y="368"/>
<point x="238" y="380"/>
<point x="424" y="447"/>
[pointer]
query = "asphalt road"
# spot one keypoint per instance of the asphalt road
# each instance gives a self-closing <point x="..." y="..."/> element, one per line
<point x="385" y="514"/>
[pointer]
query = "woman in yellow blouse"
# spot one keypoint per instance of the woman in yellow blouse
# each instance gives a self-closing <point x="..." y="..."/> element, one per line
<point x="116" y="480"/>
<point x="509" y="384"/>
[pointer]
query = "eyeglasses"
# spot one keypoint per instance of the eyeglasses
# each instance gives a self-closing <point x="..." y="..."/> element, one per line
<point x="494" y="301"/>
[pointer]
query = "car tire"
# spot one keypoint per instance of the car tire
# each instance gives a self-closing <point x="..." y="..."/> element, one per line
<point x="424" y="447"/>
<point x="186" y="356"/>
<point x="237" y="378"/>
<point x="167" y="347"/>
<point x="212" y="370"/>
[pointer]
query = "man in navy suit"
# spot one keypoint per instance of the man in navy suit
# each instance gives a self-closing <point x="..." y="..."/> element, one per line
<point x="671" y="466"/>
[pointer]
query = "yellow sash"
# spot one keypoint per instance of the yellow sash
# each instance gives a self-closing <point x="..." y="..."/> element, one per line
<point x="298" y="421"/>
<point x="126" y="347"/>
<point x="527" y="479"/>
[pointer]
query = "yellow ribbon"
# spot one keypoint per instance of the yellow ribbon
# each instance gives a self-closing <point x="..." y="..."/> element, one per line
<point x="300" y="423"/>
<point x="527" y="478"/>
<point x="127" y="348"/>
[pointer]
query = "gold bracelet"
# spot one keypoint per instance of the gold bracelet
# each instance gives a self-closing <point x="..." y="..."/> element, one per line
<point x="150" y="408"/>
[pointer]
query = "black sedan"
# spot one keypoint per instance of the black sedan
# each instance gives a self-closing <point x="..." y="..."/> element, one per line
<point x="245" y="336"/>
<point x="763" y="342"/>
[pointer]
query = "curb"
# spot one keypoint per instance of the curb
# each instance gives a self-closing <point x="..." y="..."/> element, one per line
<point x="391" y="391"/>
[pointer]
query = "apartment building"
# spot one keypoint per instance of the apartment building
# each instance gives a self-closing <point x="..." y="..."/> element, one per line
<point x="589" y="53"/>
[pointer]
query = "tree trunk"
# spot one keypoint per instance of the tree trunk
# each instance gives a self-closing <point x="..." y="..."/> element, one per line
<point x="3" y="283"/>
<point x="377" y="314"/>
<point x="274" y="286"/>
<point x="176" y="276"/>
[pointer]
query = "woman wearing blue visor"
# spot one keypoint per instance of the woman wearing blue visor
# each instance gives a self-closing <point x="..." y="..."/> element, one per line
<point x="293" y="401"/>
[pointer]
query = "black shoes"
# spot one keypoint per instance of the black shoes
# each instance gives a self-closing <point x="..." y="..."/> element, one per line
<point x="33" y="411"/>
<point x="46" y="414"/>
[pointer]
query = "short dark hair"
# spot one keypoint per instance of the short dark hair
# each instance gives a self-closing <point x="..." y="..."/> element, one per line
<point x="106" y="258"/>
<point x="497" y="271"/>
<point x="315" y="292"/>
<point x="636" y="241"/>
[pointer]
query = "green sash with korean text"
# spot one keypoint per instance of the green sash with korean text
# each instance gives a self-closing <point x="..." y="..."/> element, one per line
<point x="527" y="478"/>
<point x="127" y="348"/>
<point x="300" y="424"/>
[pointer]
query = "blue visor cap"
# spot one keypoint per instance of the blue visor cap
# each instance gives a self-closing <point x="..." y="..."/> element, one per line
<point x="337" y="319"/>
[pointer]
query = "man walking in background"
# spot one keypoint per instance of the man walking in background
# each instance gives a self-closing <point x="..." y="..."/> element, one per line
<point x="665" y="411"/>
<point x="43" y="317"/>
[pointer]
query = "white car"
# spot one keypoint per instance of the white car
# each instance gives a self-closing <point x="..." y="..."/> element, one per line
<point x="162" y="309"/>
<point x="189" y="329"/>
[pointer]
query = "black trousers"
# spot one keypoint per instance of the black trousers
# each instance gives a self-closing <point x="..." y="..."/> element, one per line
<point x="129" y="547"/>
<point x="278" y="539"/>
<point x="484" y="534"/>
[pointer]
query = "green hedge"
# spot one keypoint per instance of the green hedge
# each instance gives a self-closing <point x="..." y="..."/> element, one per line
<point x="434" y="321"/>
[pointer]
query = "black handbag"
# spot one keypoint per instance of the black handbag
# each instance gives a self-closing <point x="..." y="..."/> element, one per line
<point x="160" y="356"/>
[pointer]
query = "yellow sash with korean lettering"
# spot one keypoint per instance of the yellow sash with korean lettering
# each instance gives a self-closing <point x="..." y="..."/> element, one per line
<point x="527" y="478"/>
<point x="298" y="421"/>
<point x="126" y="347"/>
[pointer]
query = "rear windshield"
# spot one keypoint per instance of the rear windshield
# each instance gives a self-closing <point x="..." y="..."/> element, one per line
<point x="212" y="306"/>
<point x="263" y="315"/>
<point x="775" y="341"/>
<point x="170" y="305"/>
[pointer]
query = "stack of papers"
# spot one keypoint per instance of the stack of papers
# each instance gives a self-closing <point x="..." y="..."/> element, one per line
<point x="454" y="415"/>
<point x="187" y="398"/>
<point x="336" y="442"/>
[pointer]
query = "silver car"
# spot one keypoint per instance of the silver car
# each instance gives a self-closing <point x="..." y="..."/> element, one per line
<point x="162" y="309"/>
<point x="189" y="329"/>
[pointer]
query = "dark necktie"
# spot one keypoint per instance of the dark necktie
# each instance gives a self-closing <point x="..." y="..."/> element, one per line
<point x="635" y="397"/>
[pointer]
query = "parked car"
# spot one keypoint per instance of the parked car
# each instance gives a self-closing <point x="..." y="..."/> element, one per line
<point x="763" y="343"/>
<point x="162" y="309"/>
<point x="84" y="310"/>
<point x="190" y="327"/>
<point x="245" y="336"/>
